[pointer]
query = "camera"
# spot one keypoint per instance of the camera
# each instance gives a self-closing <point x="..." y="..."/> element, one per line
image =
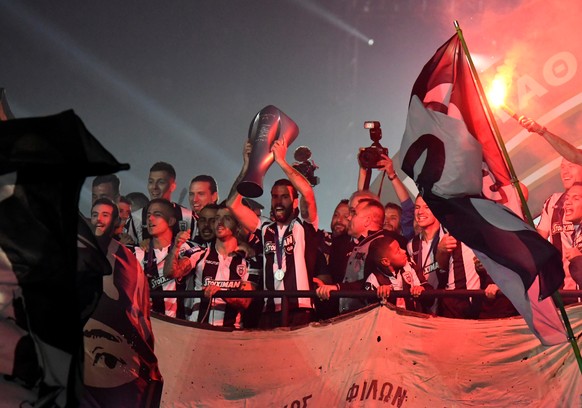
<point x="369" y="156"/>
<point x="305" y="165"/>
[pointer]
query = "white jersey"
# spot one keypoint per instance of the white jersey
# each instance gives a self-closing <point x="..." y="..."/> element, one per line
<point x="285" y="265"/>
<point x="210" y="267"/>
<point x="170" y="304"/>
<point x="464" y="273"/>
<point x="559" y="232"/>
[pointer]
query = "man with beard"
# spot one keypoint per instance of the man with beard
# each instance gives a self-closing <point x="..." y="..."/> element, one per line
<point x="211" y="269"/>
<point x="119" y="364"/>
<point x="341" y="242"/>
<point x="336" y="247"/>
<point x="205" y="225"/>
<point x="553" y="223"/>
<point x="289" y="243"/>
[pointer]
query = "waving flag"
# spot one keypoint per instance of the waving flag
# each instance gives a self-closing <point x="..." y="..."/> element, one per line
<point x="5" y="112"/>
<point x="43" y="164"/>
<point x="446" y="144"/>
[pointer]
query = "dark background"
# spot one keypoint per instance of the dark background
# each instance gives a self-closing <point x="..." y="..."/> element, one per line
<point x="180" y="81"/>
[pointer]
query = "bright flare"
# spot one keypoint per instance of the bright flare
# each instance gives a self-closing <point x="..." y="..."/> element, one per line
<point x="496" y="95"/>
<point x="497" y="92"/>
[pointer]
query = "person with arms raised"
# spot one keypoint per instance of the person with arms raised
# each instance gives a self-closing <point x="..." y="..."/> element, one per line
<point x="289" y="242"/>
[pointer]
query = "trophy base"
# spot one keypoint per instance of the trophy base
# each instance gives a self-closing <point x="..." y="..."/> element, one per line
<point x="249" y="189"/>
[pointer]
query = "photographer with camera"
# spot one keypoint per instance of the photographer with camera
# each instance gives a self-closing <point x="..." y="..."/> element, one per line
<point x="398" y="218"/>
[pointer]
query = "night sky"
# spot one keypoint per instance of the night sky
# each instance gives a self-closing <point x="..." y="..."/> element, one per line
<point x="181" y="81"/>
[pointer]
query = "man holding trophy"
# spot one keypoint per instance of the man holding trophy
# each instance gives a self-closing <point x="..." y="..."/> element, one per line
<point x="289" y="253"/>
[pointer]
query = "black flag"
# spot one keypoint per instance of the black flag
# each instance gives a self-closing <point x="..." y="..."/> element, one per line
<point x="43" y="164"/>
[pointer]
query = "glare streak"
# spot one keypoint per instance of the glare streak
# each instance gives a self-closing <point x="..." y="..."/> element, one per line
<point x="99" y="73"/>
<point x="333" y="20"/>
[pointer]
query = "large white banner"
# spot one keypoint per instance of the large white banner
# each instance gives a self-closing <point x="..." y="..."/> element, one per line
<point x="376" y="358"/>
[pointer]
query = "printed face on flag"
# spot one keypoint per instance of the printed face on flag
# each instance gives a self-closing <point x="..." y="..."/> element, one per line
<point x="113" y="361"/>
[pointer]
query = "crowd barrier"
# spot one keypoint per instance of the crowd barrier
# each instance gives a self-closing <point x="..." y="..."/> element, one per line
<point x="365" y="294"/>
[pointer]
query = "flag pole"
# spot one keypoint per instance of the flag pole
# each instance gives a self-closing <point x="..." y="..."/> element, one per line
<point x="514" y="180"/>
<point x="493" y="123"/>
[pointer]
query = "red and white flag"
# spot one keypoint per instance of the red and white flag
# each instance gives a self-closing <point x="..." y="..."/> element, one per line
<point x="446" y="145"/>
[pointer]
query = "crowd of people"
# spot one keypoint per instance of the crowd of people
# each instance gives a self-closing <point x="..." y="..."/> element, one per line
<point x="389" y="248"/>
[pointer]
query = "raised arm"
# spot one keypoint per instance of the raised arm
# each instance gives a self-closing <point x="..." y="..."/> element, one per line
<point x="387" y="165"/>
<point x="247" y="148"/>
<point x="245" y="216"/>
<point x="565" y="149"/>
<point x="177" y="266"/>
<point x="300" y="183"/>
<point x="361" y="178"/>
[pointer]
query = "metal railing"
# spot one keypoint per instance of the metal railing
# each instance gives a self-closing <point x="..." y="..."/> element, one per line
<point x="364" y="294"/>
